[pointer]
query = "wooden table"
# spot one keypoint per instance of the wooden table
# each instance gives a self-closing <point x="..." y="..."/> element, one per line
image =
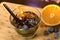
<point x="7" y="31"/>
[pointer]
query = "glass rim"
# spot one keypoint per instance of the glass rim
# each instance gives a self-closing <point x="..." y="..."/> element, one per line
<point x="32" y="11"/>
<point x="29" y="10"/>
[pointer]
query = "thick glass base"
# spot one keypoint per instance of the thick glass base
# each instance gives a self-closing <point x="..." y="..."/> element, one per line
<point x="30" y="37"/>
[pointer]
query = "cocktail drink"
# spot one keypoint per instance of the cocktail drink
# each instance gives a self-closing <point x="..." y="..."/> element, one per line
<point x="29" y="21"/>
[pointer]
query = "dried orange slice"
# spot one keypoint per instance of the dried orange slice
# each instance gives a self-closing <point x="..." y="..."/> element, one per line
<point x="50" y="15"/>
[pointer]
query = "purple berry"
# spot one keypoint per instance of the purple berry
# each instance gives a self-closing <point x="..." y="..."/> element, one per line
<point x="31" y="21"/>
<point x="25" y="27"/>
<point x="56" y="35"/>
<point x="46" y="32"/>
<point x="48" y="39"/>
<point x="56" y="30"/>
<point x="51" y="29"/>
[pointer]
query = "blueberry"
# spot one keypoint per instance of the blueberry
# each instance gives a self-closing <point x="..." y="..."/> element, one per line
<point x="56" y="35"/>
<point x="51" y="29"/>
<point x="31" y="21"/>
<point x="56" y="30"/>
<point x="48" y="39"/>
<point x="59" y="35"/>
<point x="25" y="27"/>
<point x="46" y="32"/>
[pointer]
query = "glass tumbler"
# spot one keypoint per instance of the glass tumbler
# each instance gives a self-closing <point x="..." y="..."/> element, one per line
<point x="29" y="21"/>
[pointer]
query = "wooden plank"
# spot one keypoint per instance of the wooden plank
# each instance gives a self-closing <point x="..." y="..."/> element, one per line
<point x="7" y="31"/>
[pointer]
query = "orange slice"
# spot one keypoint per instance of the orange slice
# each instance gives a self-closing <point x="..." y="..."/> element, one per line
<point x="50" y="15"/>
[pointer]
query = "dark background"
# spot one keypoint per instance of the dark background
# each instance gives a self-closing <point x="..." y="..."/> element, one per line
<point x="35" y="3"/>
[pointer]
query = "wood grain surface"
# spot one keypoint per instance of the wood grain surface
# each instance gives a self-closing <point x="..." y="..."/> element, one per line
<point x="7" y="31"/>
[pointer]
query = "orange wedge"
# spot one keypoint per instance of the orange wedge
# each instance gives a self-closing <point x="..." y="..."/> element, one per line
<point x="50" y="15"/>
